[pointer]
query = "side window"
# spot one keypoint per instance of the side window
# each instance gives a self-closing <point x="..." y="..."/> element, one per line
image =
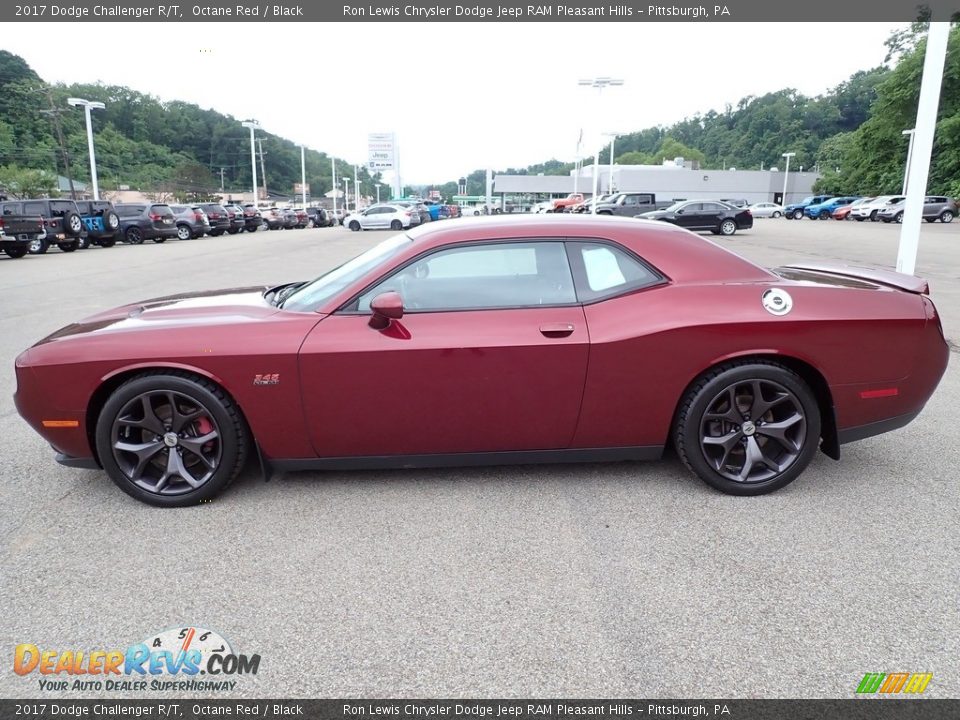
<point x="691" y="208"/>
<point x="130" y="210"/>
<point x="11" y="208"/>
<point x="605" y="271"/>
<point x="36" y="208"/>
<point x="498" y="275"/>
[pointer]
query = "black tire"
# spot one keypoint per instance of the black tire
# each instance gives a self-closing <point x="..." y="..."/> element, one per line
<point x="946" y="216"/>
<point x="859" y="218"/>
<point x="134" y="235"/>
<point x="722" y="404"/>
<point x="930" y="220"/>
<point x="233" y="231"/>
<point x="159" y="240"/>
<point x="727" y="227"/>
<point x="777" y="213"/>
<point x="161" y="411"/>
<point x="83" y="243"/>
<point x="111" y="221"/>
<point x="396" y="225"/>
<point x="873" y="215"/>
<point x="16" y="251"/>
<point x="39" y="246"/>
<point x="107" y="242"/>
<point x="355" y="226"/>
<point x="898" y="218"/>
<point x="69" y="246"/>
<point x="825" y="215"/>
<point x="184" y="232"/>
<point x="216" y="233"/>
<point x="72" y="224"/>
<point x="251" y="228"/>
<point x="797" y="214"/>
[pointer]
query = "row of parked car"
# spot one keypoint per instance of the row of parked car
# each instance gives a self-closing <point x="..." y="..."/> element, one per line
<point x="34" y="226"/>
<point x="883" y="208"/>
<point x="400" y="214"/>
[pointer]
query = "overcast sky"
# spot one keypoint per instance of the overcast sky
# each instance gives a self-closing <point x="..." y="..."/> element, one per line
<point x="460" y="96"/>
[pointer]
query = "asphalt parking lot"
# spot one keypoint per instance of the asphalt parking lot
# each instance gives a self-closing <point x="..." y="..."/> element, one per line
<point x="631" y="580"/>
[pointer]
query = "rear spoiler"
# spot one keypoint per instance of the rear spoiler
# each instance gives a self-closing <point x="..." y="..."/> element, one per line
<point x="889" y="278"/>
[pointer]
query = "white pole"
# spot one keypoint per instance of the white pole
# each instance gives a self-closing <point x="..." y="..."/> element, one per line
<point x="378" y="193"/>
<point x="906" y="168"/>
<point x="613" y="139"/>
<point x="253" y="164"/>
<point x="786" y="175"/>
<point x="303" y="175"/>
<point x="929" y="103"/>
<point x="93" y="158"/>
<point x="346" y="196"/>
<point x="356" y="188"/>
<point x="333" y="166"/>
<point x="596" y="183"/>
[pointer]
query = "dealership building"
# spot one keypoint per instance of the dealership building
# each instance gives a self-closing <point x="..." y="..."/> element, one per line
<point x="674" y="180"/>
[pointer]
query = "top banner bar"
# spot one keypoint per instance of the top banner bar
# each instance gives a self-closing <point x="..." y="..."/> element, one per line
<point x="444" y="11"/>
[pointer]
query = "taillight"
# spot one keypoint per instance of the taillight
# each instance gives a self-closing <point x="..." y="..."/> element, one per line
<point x="155" y="217"/>
<point x="198" y="217"/>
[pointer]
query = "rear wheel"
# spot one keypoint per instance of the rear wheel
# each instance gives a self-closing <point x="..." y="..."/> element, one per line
<point x="83" y="243"/>
<point x="233" y="231"/>
<point x="728" y="227"/>
<point x="797" y="214"/>
<point x="16" y="251"/>
<point x="946" y="216"/>
<point x="171" y="440"/>
<point x="107" y="242"/>
<point x="873" y="216"/>
<point x="777" y="213"/>
<point x="183" y="232"/>
<point x="159" y="240"/>
<point x="396" y="225"/>
<point x="69" y="246"/>
<point x="824" y="215"/>
<point x="354" y="226"/>
<point x="38" y="246"/>
<point x="748" y="428"/>
<point x="134" y="235"/>
<point x="216" y="233"/>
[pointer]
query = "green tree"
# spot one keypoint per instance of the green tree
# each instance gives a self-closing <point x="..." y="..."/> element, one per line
<point x="22" y="182"/>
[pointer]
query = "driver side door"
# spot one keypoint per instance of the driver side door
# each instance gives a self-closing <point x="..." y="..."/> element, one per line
<point x="489" y="356"/>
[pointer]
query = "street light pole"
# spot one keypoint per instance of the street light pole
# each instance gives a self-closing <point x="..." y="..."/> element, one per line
<point x="613" y="138"/>
<point x="303" y="175"/>
<point x="906" y="169"/>
<point x="333" y="166"/>
<point x="346" y="196"/>
<point x="356" y="188"/>
<point x="87" y="106"/>
<point x="599" y="83"/>
<point x="786" y="175"/>
<point x="253" y="125"/>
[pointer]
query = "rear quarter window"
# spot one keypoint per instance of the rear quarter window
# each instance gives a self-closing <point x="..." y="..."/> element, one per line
<point x="130" y="210"/>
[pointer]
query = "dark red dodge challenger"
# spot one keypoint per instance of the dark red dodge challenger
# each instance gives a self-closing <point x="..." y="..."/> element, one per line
<point x="500" y="340"/>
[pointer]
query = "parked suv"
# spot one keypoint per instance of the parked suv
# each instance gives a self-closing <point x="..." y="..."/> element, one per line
<point x="272" y="217"/>
<point x="871" y="209"/>
<point x="61" y="220"/>
<point x="794" y="211"/>
<point x="318" y="216"/>
<point x="251" y="218"/>
<point x="190" y="220"/>
<point x="146" y="221"/>
<point x="18" y="231"/>
<point x="218" y="217"/>
<point x="101" y="221"/>
<point x="237" y="220"/>
<point x="935" y="207"/>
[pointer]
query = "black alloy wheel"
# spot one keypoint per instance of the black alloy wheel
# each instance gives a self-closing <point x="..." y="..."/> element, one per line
<point x="134" y="235"/>
<point x="171" y="439"/>
<point x="748" y="428"/>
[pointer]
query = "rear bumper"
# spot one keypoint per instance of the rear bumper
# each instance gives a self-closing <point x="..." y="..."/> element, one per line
<point x="875" y="428"/>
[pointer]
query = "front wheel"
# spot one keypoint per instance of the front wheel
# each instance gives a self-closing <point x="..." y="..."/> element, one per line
<point x="728" y="227"/>
<point x="354" y="226"/>
<point x="797" y="214"/>
<point x="170" y="439"/>
<point x="107" y="242"/>
<point x="898" y="218"/>
<point x="69" y="246"/>
<point x="777" y="213"/>
<point x="159" y="240"/>
<point x="825" y="215"/>
<point x="748" y="428"/>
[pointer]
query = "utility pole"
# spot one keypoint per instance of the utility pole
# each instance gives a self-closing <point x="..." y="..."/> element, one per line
<point x="54" y="114"/>
<point x="222" y="170"/>
<point x="263" y="170"/>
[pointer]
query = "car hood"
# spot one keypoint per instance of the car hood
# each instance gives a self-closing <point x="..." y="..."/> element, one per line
<point x="654" y="214"/>
<point x="208" y="307"/>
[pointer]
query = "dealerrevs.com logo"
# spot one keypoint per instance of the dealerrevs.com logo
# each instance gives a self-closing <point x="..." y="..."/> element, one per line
<point x="894" y="683"/>
<point x="179" y="659"/>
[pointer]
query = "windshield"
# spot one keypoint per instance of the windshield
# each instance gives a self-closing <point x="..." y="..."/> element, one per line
<point x="308" y="297"/>
<point x="676" y="206"/>
<point x="807" y="200"/>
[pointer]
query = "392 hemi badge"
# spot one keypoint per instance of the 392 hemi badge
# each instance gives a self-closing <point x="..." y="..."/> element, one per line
<point x="776" y="301"/>
<point x="267" y="379"/>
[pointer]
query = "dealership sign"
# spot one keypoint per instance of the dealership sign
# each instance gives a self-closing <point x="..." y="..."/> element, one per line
<point x="381" y="152"/>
